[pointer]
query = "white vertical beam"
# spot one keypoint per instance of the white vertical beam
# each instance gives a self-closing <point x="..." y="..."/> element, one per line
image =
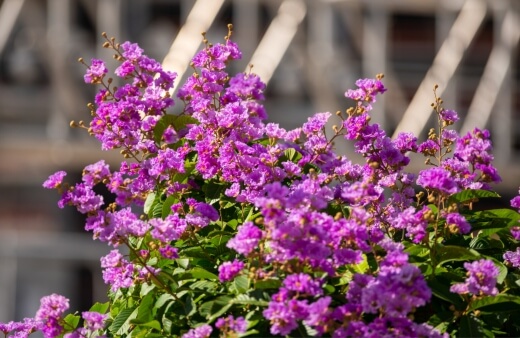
<point x="58" y="38"/>
<point x="277" y="38"/>
<point x="245" y="22"/>
<point x="108" y="19"/>
<point x="320" y="61"/>
<point x="189" y="38"/>
<point x="9" y="11"/>
<point x="8" y="280"/>
<point x="495" y="85"/>
<point x="375" y="46"/>
<point x="444" y="19"/>
<point x="444" y="66"/>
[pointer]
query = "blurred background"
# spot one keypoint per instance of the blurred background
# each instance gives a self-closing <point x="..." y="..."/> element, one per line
<point x="318" y="49"/>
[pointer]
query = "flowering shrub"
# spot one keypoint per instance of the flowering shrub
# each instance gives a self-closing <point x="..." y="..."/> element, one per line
<point x="231" y="226"/>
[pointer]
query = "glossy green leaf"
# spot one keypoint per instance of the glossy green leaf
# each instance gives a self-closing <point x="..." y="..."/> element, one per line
<point x="71" y="320"/>
<point x="268" y="284"/>
<point x="491" y="221"/>
<point x="361" y="267"/>
<point x="449" y="253"/>
<point x="241" y="283"/>
<point x="470" y="326"/>
<point x="198" y="273"/>
<point x="498" y="303"/>
<point x="150" y="199"/>
<point x="122" y="320"/>
<point x="154" y="324"/>
<point x="244" y="299"/>
<point x="442" y="290"/>
<point x="144" y="310"/>
<point x="471" y="195"/>
<point x="215" y="307"/>
<point x="163" y="299"/>
<point x="214" y="190"/>
<point x="100" y="307"/>
<point x="178" y="122"/>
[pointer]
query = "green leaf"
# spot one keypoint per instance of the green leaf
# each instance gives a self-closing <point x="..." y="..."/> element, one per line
<point x="220" y="312"/>
<point x="178" y="122"/>
<point x="361" y="267"/>
<point x="241" y="283"/>
<point x="310" y="331"/>
<point x="502" y="274"/>
<point x="163" y="299"/>
<point x="442" y="291"/>
<point x="471" y="195"/>
<point x="167" y="204"/>
<point x="492" y="221"/>
<point x="150" y="199"/>
<point x="451" y="253"/>
<point x="144" y="310"/>
<point x="122" y="319"/>
<point x="198" y="273"/>
<point x="270" y="283"/>
<point x="157" y="209"/>
<point x="498" y="303"/>
<point x="470" y="326"/>
<point x="100" y="307"/>
<point x="213" y="189"/>
<point x="205" y="285"/>
<point x="154" y="324"/>
<point x="216" y="307"/>
<point x="244" y="299"/>
<point x="292" y="155"/>
<point x="71" y="320"/>
<point x="483" y="243"/>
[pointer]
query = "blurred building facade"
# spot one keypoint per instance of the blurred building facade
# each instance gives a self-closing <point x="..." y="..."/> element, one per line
<point x="318" y="49"/>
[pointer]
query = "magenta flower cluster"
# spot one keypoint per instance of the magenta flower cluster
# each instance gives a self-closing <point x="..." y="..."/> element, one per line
<point x="482" y="279"/>
<point x="305" y="216"/>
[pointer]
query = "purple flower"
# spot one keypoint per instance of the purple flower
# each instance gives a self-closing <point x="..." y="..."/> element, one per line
<point x="481" y="280"/>
<point x="515" y="202"/>
<point x="95" y="72"/>
<point x="437" y="179"/>
<point x="169" y="252"/>
<point x="515" y="232"/>
<point x="457" y="223"/>
<point x="55" y="180"/>
<point x="406" y="142"/>
<point x="231" y="324"/>
<point x="303" y="284"/>
<point x="283" y="317"/>
<point x="117" y="271"/>
<point x="274" y="130"/>
<point x="125" y="69"/>
<point x="170" y="135"/>
<point x="368" y="88"/>
<point x="319" y="314"/>
<point x="229" y="270"/>
<point x="513" y="258"/>
<point x="247" y="238"/>
<point x="94" y="320"/>
<point x="316" y="123"/>
<point x="168" y="229"/>
<point x="20" y="329"/>
<point x="449" y="135"/>
<point x="51" y="310"/>
<point x="95" y="173"/>
<point x="449" y="116"/>
<point x="83" y="198"/>
<point x="428" y="148"/>
<point x="203" y="331"/>
<point x="131" y="51"/>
